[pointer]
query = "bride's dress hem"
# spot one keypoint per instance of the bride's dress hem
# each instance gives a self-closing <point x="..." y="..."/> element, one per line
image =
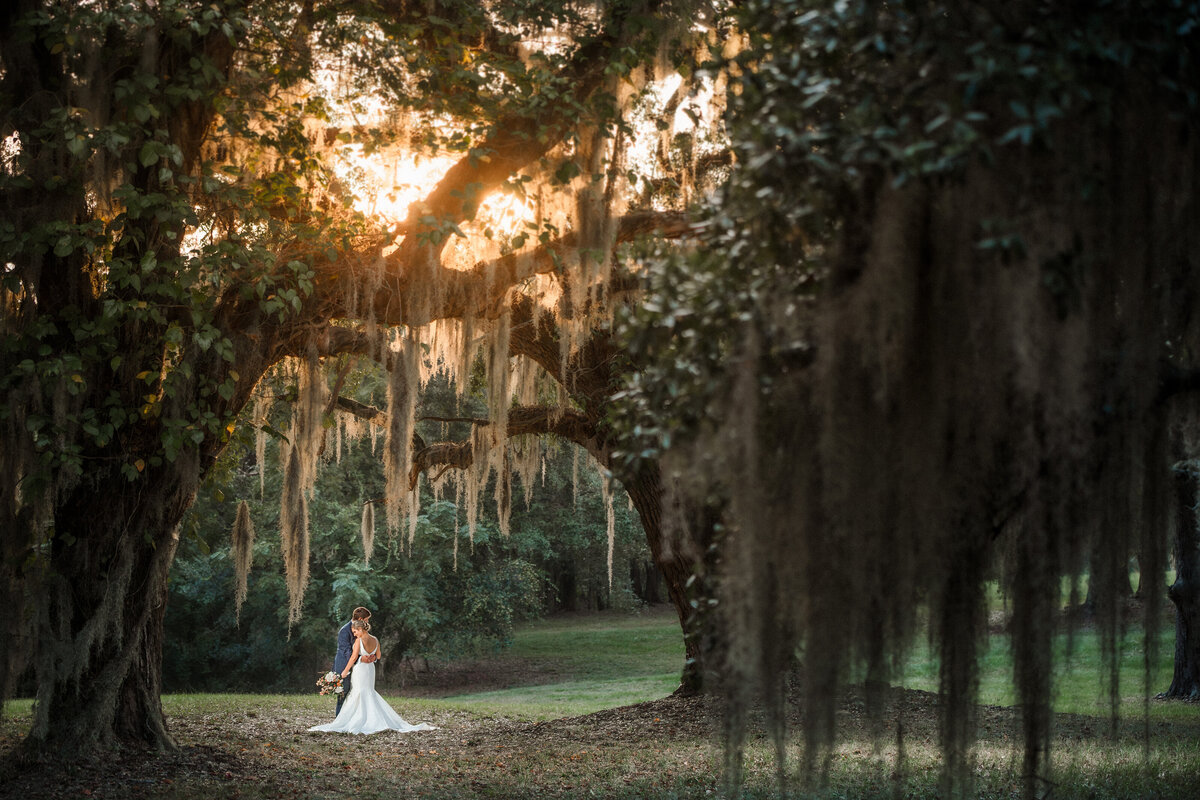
<point x="365" y="711"/>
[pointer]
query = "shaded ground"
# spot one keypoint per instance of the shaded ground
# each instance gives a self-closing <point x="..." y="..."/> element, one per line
<point x="659" y="749"/>
<point x="271" y="754"/>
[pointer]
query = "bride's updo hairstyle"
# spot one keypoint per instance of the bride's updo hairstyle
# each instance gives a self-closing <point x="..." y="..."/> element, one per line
<point x="362" y="625"/>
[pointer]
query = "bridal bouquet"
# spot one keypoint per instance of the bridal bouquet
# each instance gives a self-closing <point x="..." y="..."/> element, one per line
<point x="330" y="683"/>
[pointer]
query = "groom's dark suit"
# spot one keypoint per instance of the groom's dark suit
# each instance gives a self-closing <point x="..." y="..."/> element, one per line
<point x="345" y="645"/>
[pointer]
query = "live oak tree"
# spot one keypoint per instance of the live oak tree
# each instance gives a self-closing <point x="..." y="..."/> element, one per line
<point x="948" y="307"/>
<point x="176" y="224"/>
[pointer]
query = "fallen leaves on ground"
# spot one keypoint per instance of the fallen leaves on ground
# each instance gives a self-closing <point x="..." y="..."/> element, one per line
<point x="668" y="747"/>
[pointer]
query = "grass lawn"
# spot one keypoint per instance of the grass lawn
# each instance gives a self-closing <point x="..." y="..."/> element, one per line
<point x="1079" y="681"/>
<point x="599" y="661"/>
<point x="593" y="719"/>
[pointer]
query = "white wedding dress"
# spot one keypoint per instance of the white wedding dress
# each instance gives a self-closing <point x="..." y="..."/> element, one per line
<point x="365" y="711"/>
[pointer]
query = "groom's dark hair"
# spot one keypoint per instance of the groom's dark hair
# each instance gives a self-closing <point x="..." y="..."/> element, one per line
<point x="360" y="613"/>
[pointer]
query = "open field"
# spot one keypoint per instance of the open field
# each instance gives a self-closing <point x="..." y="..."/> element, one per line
<point x="559" y="735"/>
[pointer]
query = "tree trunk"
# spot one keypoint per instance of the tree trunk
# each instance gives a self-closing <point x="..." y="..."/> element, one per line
<point x="99" y="644"/>
<point x="645" y="578"/>
<point x="1185" y="591"/>
<point x="645" y="490"/>
<point x="564" y="583"/>
<point x="16" y="636"/>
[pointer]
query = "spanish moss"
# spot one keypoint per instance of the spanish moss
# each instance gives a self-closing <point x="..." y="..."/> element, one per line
<point x="367" y="529"/>
<point x="401" y="407"/>
<point x="243" y="556"/>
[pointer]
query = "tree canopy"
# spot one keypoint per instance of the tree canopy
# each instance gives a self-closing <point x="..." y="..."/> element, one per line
<point x="187" y="204"/>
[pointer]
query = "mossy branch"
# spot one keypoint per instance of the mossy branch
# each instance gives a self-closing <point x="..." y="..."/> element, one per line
<point x="522" y="421"/>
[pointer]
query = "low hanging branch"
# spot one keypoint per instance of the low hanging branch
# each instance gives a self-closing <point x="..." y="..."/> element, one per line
<point x="415" y="266"/>
<point x="371" y="414"/>
<point x="522" y="421"/>
<point x="475" y="291"/>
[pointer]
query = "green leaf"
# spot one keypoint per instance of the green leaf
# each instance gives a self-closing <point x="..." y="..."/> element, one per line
<point x="148" y="154"/>
<point x="566" y="172"/>
<point x="274" y="432"/>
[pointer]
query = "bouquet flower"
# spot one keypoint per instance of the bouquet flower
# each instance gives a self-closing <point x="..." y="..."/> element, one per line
<point x="330" y="683"/>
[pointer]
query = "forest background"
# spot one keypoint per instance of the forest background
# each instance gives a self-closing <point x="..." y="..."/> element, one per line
<point x="431" y="600"/>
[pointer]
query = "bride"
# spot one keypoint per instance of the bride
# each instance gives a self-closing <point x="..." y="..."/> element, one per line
<point x="365" y="711"/>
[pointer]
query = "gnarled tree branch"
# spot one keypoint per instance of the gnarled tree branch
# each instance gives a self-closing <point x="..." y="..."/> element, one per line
<point x="522" y="421"/>
<point x="371" y="414"/>
<point x="472" y="292"/>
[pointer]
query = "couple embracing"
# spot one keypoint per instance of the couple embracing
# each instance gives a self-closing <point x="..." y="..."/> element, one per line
<point x="360" y="709"/>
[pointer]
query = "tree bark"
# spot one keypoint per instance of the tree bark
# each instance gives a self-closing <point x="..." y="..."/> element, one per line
<point x="99" y="652"/>
<point x="645" y="490"/>
<point x="1185" y="591"/>
<point x="645" y="577"/>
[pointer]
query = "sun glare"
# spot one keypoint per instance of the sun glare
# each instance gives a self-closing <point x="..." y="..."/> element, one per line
<point x="387" y="179"/>
<point x="387" y="184"/>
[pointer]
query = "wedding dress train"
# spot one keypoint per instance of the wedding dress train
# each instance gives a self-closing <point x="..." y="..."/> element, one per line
<point x="365" y="711"/>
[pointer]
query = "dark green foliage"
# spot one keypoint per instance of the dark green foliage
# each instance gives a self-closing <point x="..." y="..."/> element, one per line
<point x="921" y="344"/>
<point x="562" y="531"/>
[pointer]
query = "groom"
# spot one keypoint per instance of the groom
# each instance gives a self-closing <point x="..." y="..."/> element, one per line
<point x="345" y="644"/>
